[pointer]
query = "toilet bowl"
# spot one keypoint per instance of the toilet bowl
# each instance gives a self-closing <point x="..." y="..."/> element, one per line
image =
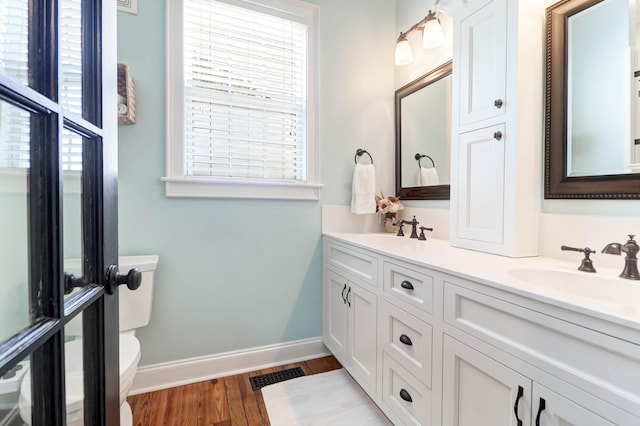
<point x="135" y="312"/>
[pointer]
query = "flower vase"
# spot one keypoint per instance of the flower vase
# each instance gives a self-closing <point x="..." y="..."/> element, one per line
<point x="389" y="221"/>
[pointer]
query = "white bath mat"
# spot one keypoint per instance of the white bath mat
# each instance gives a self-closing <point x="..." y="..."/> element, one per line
<point x="331" y="398"/>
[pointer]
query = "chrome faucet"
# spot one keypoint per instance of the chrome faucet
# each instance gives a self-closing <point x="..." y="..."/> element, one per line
<point x="631" y="248"/>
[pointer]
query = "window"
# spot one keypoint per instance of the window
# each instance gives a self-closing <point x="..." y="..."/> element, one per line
<point x="241" y="99"/>
<point x="14" y="142"/>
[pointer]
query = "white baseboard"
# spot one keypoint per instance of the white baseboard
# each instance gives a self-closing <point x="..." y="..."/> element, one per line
<point x="183" y="372"/>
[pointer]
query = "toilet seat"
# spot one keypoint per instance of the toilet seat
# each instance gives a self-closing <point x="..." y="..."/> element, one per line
<point x="128" y="360"/>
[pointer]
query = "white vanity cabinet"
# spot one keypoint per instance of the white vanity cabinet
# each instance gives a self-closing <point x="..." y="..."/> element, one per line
<point x="480" y="391"/>
<point x="512" y="359"/>
<point x="350" y="313"/>
<point x="432" y="345"/>
<point x="496" y="126"/>
<point x="406" y="338"/>
<point x="377" y="315"/>
<point x="485" y="392"/>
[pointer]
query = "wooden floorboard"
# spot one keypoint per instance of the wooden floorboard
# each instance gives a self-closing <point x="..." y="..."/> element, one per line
<point x="227" y="401"/>
<point x="234" y="398"/>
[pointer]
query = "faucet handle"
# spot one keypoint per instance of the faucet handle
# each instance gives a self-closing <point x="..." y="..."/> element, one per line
<point x="400" y="224"/>
<point x="587" y="264"/>
<point x="421" y="237"/>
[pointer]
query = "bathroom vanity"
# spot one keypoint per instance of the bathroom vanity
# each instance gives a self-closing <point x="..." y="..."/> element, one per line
<point x="438" y="335"/>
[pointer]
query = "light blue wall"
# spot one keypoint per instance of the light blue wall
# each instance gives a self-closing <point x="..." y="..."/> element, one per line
<point x="241" y="274"/>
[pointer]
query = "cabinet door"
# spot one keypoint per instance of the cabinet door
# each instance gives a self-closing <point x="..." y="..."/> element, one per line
<point x="478" y="390"/>
<point x="483" y="52"/>
<point x="480" y="196"/>
<point x="363" y="315"/>
<point x="552" y="409"/>
<point x="335" y="314"/>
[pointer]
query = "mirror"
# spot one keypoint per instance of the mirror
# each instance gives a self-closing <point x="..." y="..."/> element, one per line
<point x="591" y="129"/>
<point x="423" y="134"/>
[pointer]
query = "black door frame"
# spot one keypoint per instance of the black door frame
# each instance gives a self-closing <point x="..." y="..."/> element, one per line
<point x="43" y="339"/>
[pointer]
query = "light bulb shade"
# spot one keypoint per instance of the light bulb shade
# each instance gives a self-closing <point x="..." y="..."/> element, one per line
<point x="404" y="54"/>
<point x="432" y="34"/>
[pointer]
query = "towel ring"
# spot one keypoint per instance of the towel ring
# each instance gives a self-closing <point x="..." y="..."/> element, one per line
<point x="359" y="153"/>
<point x="418" y="157"/>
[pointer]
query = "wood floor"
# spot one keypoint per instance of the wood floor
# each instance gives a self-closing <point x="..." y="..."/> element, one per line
<point x="227" y="401"/>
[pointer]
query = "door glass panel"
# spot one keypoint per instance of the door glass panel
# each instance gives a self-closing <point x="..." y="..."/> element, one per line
<point x="14" y="227"/>
<point x="15" y="395"/>
<point x="74" y="382"/>
<point x="71" y="33"/>
<point x="72" y="202"/>
<point x="14" y="38"/>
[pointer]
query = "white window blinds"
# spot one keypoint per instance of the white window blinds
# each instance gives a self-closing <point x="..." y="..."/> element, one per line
<point x="245" y="93"/>
<point x="14" y="46"/>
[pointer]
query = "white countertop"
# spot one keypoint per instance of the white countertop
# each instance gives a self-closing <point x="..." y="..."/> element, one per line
<point x="604" y="295"/>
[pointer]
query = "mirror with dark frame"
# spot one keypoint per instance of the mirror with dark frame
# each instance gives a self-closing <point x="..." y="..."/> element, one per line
<point x="591" y="124"/>
<point x="423" y="134"/>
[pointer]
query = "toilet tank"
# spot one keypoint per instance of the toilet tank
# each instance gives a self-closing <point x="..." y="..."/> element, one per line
<point x="135" y="306"/>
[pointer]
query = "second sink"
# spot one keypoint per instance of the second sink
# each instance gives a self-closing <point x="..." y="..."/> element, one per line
<point x="619" y="294"/>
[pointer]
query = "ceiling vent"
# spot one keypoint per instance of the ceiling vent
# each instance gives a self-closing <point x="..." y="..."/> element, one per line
<point x="129" y="6"/>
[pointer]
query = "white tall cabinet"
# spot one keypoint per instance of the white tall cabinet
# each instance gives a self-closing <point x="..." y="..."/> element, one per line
<point x="497" y="126"/>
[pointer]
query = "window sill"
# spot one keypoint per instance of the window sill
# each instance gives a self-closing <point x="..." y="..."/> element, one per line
<point x="193" y="187"/>
<point x="15" y="181"/>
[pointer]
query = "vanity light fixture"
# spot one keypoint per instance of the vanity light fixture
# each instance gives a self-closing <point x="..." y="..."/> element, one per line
<point x="432" y="33"/>
<point x="404" y="54"/>
<point x="432" y="37"/>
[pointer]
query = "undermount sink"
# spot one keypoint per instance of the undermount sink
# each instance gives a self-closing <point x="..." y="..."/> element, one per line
<point x="613" y="293"/>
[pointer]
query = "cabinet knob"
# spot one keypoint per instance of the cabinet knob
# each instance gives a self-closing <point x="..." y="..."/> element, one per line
<point x="497" y="135"/>
<point x="344" y="299"/>
<point x="406" y="285"/>
<point x="498" y="103"/>
<point x="406" y="340"/>
<point x="405" y="395"/>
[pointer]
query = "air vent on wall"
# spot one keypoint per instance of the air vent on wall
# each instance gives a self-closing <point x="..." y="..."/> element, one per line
<point x="130" y="6"/>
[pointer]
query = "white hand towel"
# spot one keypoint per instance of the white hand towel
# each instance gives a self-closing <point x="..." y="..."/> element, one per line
<point x="363" y="197"/>
<point x="427" y="177"/>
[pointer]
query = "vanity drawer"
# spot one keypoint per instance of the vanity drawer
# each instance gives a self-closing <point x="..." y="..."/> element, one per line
<point x="358" y="264"/>
<point x="409" y="285"/>
<point x="408" y="340"/>
<point x="576" y="354"/>
<point x="406" y="396"/>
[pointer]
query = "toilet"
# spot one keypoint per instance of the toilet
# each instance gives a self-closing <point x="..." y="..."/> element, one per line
<point x="135" y="312"/>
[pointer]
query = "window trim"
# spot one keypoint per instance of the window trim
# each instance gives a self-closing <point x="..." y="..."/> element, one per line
<point x="179" y="185"/>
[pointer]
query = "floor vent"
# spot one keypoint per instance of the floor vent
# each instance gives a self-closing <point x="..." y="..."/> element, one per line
<point x="258" y="382"/>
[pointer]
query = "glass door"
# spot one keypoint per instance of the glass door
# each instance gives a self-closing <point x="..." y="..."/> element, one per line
<point x="58" y="213"/>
